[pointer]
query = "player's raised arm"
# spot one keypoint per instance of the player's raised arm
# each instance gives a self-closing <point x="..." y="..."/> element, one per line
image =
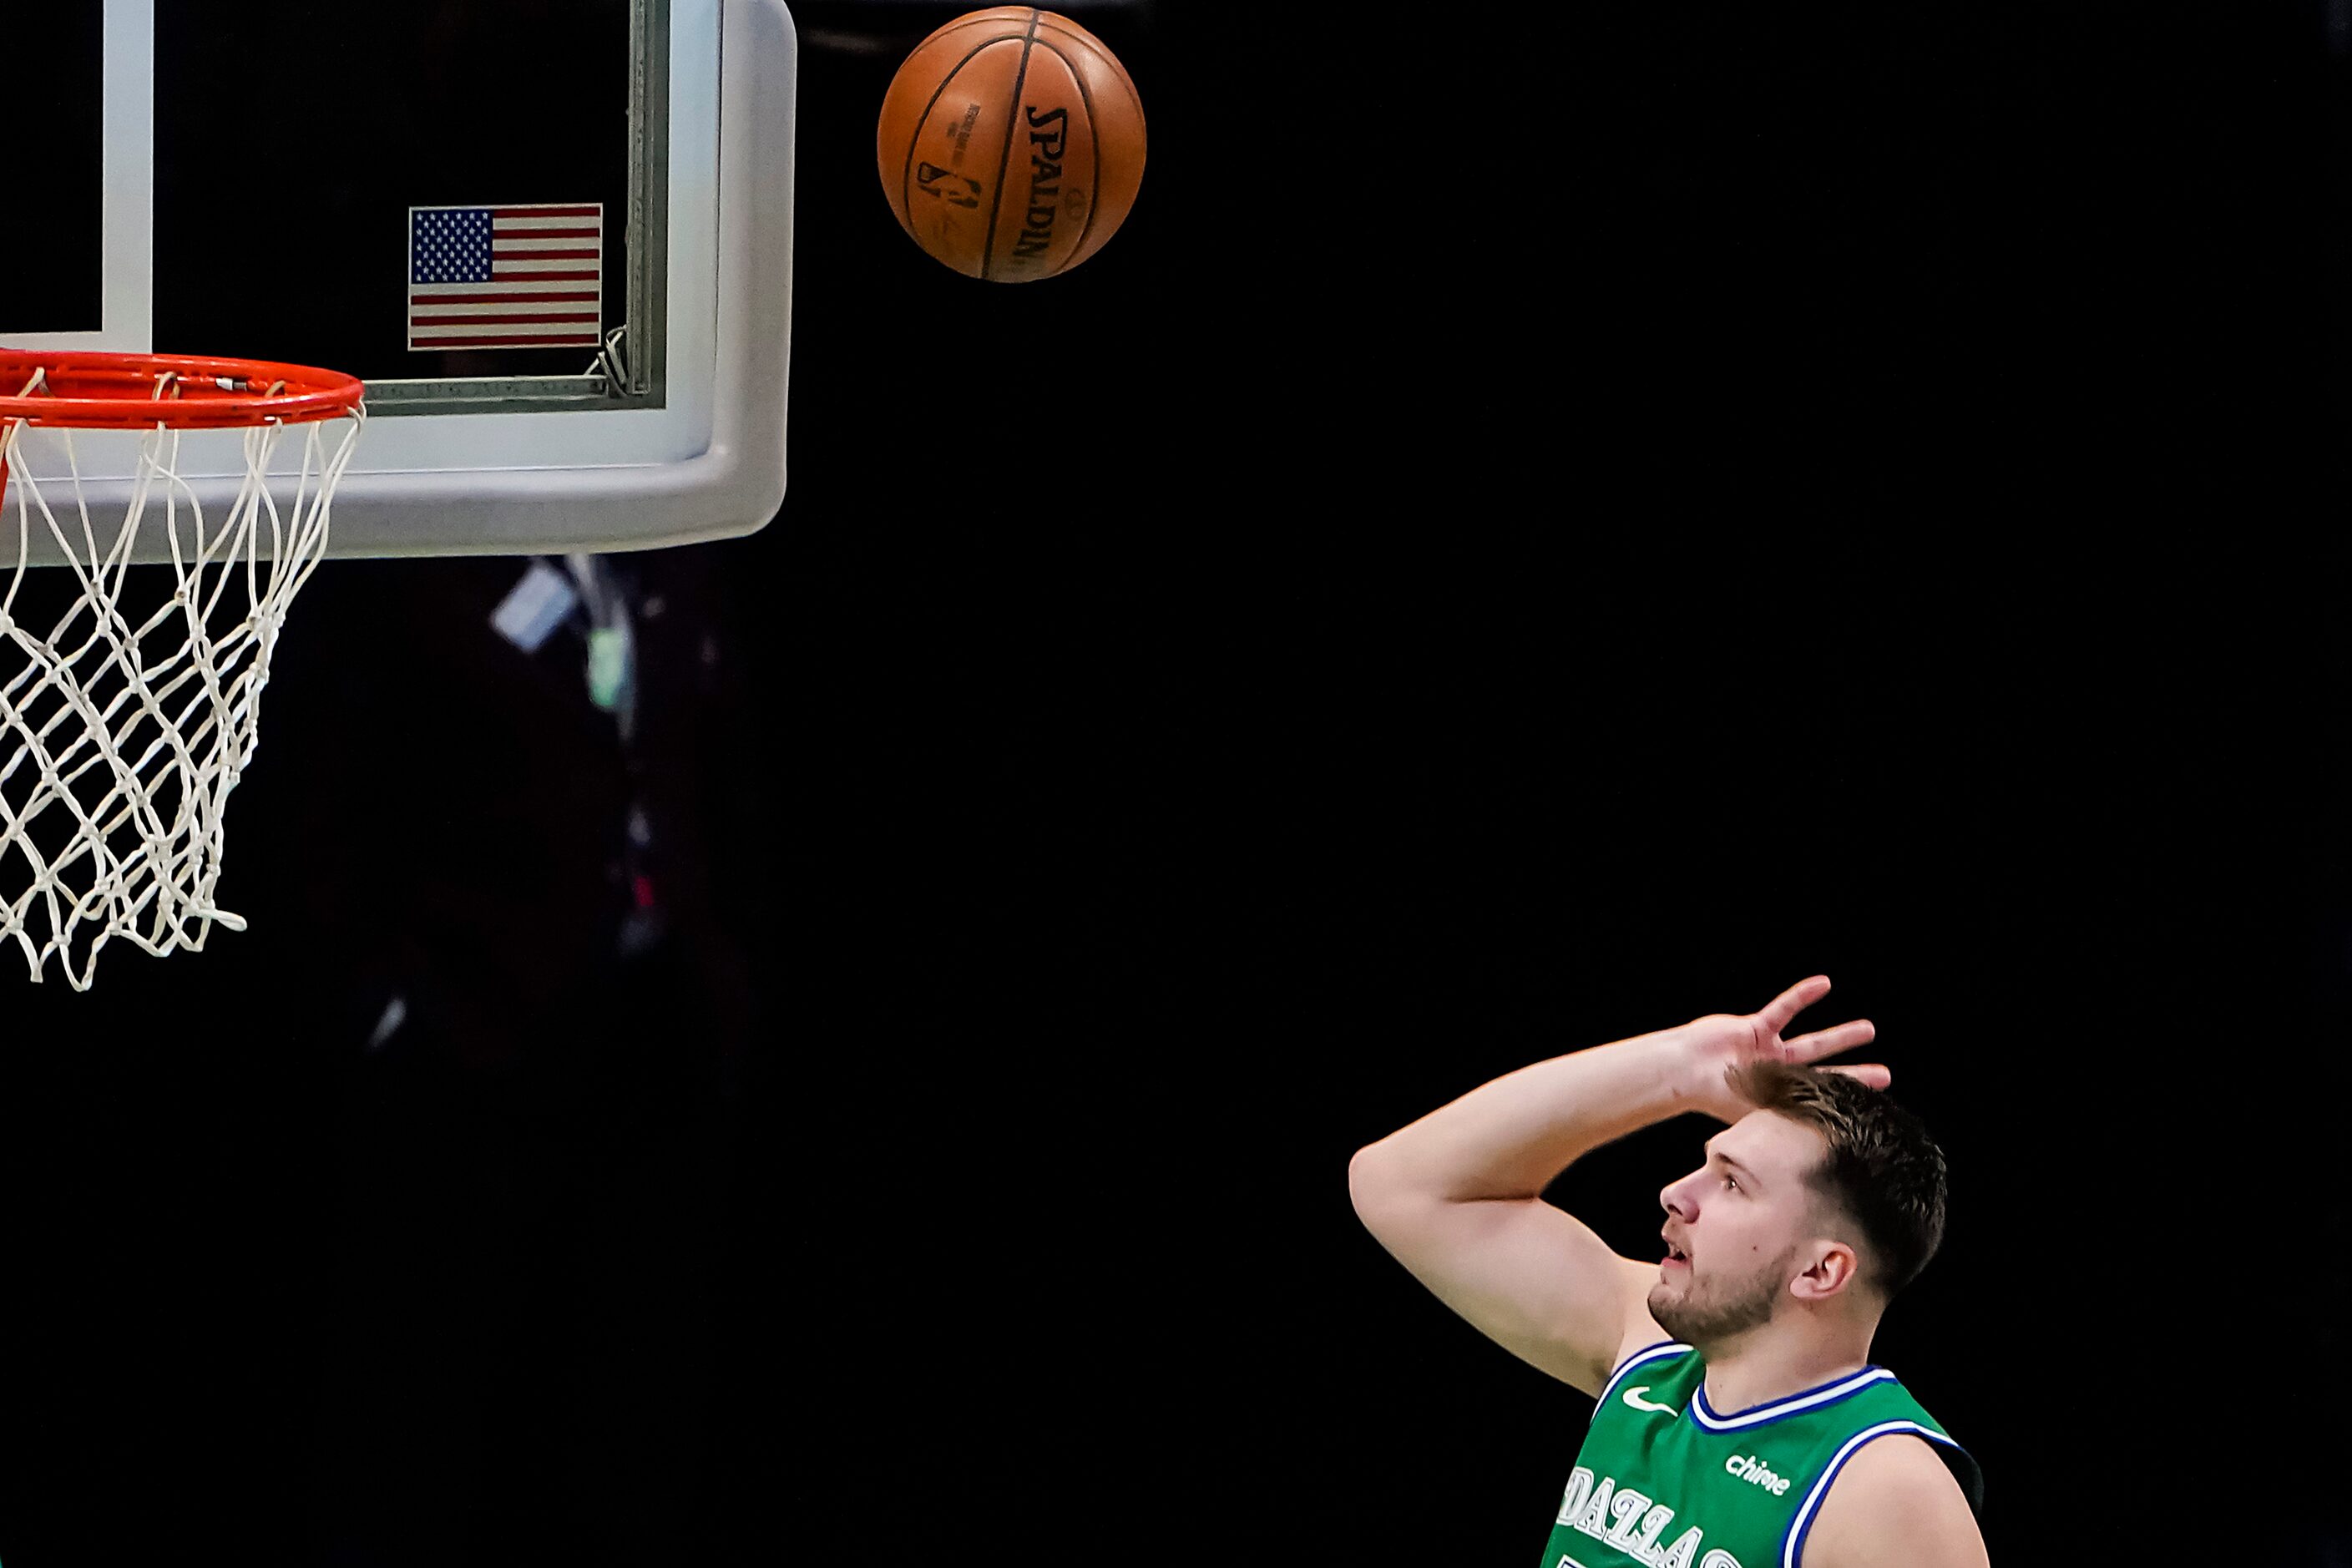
<point x="1457" y="1196"/>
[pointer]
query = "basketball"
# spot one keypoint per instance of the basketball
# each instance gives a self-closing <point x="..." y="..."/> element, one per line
<point x="1011" y="144"/>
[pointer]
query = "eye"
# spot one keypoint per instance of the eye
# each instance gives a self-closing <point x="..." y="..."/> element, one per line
<point x="1730" y="1183"/>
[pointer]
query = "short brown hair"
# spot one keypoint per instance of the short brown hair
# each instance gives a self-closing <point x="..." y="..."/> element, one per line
<point x="1882" y="1172"/>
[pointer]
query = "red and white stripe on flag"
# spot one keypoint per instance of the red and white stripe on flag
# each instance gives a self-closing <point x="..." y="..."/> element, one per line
<point x="506" y="277"/>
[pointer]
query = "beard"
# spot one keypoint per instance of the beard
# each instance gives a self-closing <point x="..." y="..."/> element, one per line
<point x="1708" y="1312"/>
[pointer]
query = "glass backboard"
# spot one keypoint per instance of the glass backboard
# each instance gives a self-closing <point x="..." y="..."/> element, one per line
<point x="554" y="237"/>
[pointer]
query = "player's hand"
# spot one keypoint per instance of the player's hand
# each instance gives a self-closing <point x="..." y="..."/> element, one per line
<point x="1721" y="1043"/>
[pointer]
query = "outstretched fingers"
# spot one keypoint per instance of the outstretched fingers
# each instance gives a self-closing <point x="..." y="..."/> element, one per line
<point x="1794" y="1000"/>
<point x="1822" y="1043"/>
<point x="1812" y="1047"/>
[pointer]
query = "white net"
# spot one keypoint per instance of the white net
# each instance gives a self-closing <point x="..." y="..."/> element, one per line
<point x="127" y="717"/>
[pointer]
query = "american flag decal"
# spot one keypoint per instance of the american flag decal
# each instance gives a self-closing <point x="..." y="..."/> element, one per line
<point x="506" y="277"/>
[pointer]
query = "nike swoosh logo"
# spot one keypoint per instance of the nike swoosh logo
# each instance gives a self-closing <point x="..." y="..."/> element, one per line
<point x="1634" y="1398"/>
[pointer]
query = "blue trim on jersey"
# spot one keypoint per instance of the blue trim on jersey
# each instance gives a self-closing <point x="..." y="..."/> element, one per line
<point x="1646" y="1350"/>
<point x="1792" y="1543"/>
<point x="1797" y="1403"/>
<point x="1641" y="1357"/>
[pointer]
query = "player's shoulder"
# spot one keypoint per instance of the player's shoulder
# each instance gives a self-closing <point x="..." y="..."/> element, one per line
<point x="1663" y="1366"/>
<point x="1894" y="1495"/>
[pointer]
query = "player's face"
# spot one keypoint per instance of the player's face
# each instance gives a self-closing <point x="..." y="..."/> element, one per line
<point x="1732" y="1229"/>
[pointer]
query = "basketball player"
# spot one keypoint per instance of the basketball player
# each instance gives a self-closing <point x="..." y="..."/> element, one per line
<point x="1740" y="1421"/>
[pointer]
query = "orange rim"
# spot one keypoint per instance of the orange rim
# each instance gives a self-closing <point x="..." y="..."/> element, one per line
<point x="144" y="392"/>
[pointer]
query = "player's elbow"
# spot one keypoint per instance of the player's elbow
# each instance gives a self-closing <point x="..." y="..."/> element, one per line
<point x="1374" y="1186"/>
<point x="1359" y="1176"/>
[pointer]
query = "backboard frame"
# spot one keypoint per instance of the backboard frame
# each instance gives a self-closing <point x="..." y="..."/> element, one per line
<point x="673" y="433"/>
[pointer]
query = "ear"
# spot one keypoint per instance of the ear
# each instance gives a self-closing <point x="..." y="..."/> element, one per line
<point x="1835" y="1270"/>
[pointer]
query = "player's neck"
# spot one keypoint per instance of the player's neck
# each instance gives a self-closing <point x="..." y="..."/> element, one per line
<point x="1776" y="1361"/>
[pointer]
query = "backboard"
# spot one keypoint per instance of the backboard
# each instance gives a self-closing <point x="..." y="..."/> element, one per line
<point x="554" y="237"/>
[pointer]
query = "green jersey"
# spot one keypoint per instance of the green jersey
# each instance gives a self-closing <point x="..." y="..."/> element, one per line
<point x="1664" y="1480"/>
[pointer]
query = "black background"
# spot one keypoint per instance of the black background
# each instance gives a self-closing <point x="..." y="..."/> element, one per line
<point x="1534" y="532"/>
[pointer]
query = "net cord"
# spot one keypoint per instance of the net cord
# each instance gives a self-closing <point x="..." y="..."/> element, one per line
<point x="143" y="834"/>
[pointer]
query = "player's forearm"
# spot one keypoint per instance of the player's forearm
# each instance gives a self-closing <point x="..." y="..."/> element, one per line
<point x="1510" y="1138"/>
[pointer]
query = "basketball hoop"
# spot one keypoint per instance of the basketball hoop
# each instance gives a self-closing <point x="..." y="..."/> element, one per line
<point x="123" y="733"/>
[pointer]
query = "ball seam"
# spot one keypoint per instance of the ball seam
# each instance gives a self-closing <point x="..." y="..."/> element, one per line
<point x="1011" y="123"/>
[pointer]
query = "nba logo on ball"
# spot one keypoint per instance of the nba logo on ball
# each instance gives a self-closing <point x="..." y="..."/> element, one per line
<point x="1011" y="144"/>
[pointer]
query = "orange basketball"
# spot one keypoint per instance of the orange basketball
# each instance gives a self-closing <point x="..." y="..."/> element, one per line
<point x="1011" y="144"/>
